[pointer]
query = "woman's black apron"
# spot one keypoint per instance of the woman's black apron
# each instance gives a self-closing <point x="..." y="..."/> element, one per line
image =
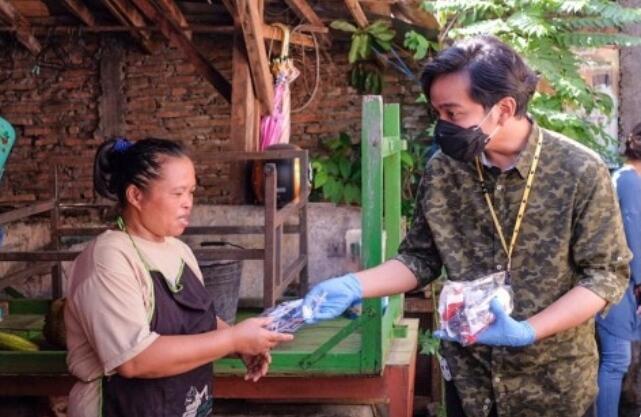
<point x="184" y="309"/>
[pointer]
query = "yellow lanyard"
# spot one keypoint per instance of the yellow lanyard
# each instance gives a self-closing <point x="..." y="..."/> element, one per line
<point x="523" y="205"/>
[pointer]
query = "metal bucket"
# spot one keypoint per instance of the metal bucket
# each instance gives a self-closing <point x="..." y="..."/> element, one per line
<point x="222" y="280"/>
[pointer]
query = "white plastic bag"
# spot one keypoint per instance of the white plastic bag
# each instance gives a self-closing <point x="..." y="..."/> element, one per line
<point x="464" y="306"/>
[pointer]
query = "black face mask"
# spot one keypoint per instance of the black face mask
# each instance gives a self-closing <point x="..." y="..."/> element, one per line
<point x="460" y="143"/>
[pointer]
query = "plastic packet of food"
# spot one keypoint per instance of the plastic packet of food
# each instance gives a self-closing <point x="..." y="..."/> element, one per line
<point x="289" y="316"/>
<point x="464" y="306"/>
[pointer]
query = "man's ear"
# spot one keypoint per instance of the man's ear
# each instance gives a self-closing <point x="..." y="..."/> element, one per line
<point x="507" y="109"/>
<point x="134" y="196"/>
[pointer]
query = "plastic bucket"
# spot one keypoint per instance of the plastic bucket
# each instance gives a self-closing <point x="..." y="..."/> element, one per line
<point x="222" y="281"/>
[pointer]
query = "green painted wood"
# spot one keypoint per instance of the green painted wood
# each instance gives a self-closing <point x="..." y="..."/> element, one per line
<point x="28" y="363"/>
<point x="372" y="222"/>
<point x="29" y="306"/>
<point x="392" y="208"/>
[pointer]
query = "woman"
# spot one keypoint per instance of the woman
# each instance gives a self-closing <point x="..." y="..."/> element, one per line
<point x="622" y="324"/>
<point x="141" y="330"/>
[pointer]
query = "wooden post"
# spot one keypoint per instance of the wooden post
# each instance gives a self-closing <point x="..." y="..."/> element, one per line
<point x="56" y="270"/>
<point x="372" y="219"/>
<point x="269" y="276"/>
<point x="251" y="20"/>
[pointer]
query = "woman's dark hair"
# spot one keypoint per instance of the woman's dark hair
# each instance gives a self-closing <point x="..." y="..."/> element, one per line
<point x="633" y="144"/>
<point x="496" y="71"/>
<point x="119" y="163"/>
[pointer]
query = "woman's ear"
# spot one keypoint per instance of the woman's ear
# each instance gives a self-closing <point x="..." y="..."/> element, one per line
<point x="134" y="196"/>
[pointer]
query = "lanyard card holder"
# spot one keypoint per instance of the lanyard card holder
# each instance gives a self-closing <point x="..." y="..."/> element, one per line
<point x="464" y="306"/>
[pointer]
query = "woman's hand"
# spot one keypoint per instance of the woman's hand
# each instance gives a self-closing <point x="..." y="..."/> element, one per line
<point x="257" y="365"/>
<point x="250" y="337"/>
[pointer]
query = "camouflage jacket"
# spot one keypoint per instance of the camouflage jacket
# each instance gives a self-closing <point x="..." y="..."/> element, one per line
<point x="571" y="235"/>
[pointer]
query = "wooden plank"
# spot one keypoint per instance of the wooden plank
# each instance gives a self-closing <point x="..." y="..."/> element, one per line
<point x="248" y="156"/>
<point x="21" y="275"/>
<point x="294" y="269"/>
<point x="269" y="269"/>
<point x="252" y="24"/>
<point x="82" y="12"/>
<point x="24" y="212"/>
<point x="269" y="32"/>
<point x="357" y="13"/>
<point x="112" y="101"/>
<point x="23" y="29"/>
<point x="194" y="56"/>
<point x="175" y="15"/>
<point x="38" y="256"/>
<point x="129" y="16"/>
<point x="245" y="113"/>
<point x="287" y="212"/>
<point x="305" y="11"/>
<point x="63" y="255"/>
<point x="303" y="244"/>
<point x="190" y="231"/>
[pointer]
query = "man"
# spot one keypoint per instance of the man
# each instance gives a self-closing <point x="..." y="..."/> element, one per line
<point x="506" y="195"/>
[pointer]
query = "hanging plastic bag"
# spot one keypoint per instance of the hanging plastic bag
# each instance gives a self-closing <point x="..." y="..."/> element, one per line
<point x="464" y="306"/>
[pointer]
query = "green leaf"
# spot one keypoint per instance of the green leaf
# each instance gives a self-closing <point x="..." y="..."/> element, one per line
<point x="351" y="194"/>
<point x="421" y="98"/>
<point x="343" y="25"/>
<point x="332" y="168"/>
<point x="355" y="48"/>
<point x="345" y="168"/>
<point x="417" y="43"/>
<point x="429" y="344"/>
<point x="365" y="45"/>
<point x="406" y="159"/>
<point x="320" y="179"/>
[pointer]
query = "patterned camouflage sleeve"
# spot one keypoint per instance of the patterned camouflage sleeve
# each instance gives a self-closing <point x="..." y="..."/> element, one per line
<point x="598" y="243"/>
<point x="418" y="251"/>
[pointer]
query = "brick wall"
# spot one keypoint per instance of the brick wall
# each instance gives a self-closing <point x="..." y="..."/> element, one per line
<point x="57" y="114"/>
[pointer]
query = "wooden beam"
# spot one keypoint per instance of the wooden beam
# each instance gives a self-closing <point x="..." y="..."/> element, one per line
<point x="252" y="24"/>
<point x="357" y="13"/>
<point x="305" y="11"/>
<point x="245" y="108"/>
<point x="23" y="29"/>
<point x="170" y="7"/>
<point x="229" y="5"/>
<point x="178" y="37"/>
<point x="129" y="16"/>
<point x="82" y="12"/>
<point x="269" y="32"/>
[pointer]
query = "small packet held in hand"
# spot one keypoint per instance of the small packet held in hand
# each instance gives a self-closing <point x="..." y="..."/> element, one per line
<point x="464" y="306"/>
<point x="289" y="316"/>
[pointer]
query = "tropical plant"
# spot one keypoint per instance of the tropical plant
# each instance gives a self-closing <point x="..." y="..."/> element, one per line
<point x="366" y="75"/>
<point x="337" y="171"/>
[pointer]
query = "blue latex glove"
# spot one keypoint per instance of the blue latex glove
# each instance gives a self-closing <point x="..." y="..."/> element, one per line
<point x="339" y="294"/>
<point x="504" y="331"/>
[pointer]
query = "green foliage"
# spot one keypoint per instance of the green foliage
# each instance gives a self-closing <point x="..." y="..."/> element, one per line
<point x="412" y="164"/>
<point x="548" y="33"/>
<point x="428" y="343"/>
<point x="337" y="173"/>
<point x="366" y="75"/>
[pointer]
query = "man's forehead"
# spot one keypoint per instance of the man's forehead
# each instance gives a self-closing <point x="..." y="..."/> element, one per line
<point x="450" y="90"/>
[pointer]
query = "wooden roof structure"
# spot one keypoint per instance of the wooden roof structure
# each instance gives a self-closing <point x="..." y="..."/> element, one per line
<point x="250" y="91"/>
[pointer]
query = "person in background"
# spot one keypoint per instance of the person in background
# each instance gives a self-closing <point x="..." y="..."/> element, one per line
<point x="507" y="196"/>
<point x="622" y="324"/>
<point x="142" y="330"/>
